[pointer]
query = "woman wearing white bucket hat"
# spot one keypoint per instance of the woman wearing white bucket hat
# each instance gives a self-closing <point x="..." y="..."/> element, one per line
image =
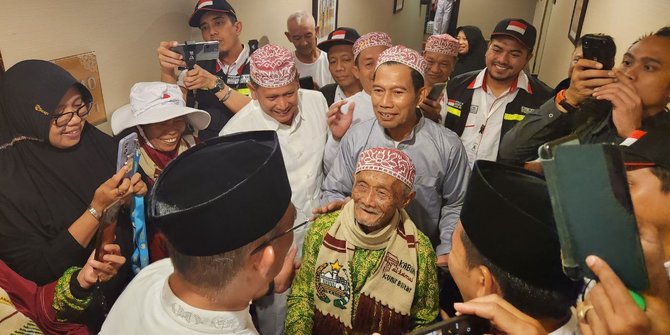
<point x="158" y="113"/>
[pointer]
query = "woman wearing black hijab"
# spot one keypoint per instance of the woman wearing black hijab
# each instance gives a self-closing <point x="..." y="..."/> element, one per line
<point x="472" y="50"/>
<point x="55" y="173"/>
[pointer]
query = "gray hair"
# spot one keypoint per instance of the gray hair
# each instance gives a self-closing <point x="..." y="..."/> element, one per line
<point x="301" y="17"/>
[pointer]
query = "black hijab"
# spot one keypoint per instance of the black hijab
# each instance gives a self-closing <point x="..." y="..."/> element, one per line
<point x="43" y="190"/>
<point x="474" y="59"/>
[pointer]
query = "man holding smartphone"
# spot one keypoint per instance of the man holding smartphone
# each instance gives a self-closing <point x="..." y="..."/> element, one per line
<point x="441" y="54"/>
<point x="639" y="90"/>
<point x="217" y="86"/>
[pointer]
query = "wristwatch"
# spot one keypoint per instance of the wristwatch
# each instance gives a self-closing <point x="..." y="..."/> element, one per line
<point x="563" y="102"/>
<point x="219" y="85"/>
<point x="95" y="213"/>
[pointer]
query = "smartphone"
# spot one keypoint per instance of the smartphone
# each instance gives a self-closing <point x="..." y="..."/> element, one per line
<point x="107" y="228"/>
<point x="128" y="147"/>
<point x="197" y="51"/>
<point x="600" y="49"/>
<point x="593" y="211"/>
<point x="435" y="92"/>
<point x="306" y="83"/>
<point x="462" y="324"/>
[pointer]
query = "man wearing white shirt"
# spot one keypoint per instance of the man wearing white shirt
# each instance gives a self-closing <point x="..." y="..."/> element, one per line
<point x="367" y="49"/>
<point x="310" y="61"/>
<point x="225" y="209"/>
<point x="299" y="119"/>
<point x="483" y="105"/>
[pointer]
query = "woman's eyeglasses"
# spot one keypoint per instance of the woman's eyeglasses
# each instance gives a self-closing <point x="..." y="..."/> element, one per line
<point x="61" y="120"/>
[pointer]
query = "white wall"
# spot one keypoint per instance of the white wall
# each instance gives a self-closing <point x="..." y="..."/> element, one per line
<point x="124" y="35"/>
<point x="405" y="27"/>
<point x="624" y="20"/>
<point x="486" y="13"/>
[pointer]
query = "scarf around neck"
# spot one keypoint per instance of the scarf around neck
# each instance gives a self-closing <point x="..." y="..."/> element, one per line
<point x="386" y="297"/>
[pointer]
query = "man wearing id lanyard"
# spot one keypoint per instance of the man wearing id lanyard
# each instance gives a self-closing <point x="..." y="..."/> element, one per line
<point x="483" y="105"/>
<point x="216" y="86"/>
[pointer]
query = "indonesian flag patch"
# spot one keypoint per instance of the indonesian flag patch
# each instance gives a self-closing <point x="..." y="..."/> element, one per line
<point x="338" y="35"/>
<point x="203" y="3"/>
<point x="517" y="26"/>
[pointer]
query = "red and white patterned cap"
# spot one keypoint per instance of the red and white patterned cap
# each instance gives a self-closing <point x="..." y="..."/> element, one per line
<point x="404" y="55"/>
<point x="390" y="161"/>
<point x="443" y="44"/>
<point x="370" y="40"/>
<point x="272" y="66"/>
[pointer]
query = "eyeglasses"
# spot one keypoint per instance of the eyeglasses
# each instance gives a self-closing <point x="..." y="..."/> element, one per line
<point x="61" y="120"/>
<point x="266" y="243"/>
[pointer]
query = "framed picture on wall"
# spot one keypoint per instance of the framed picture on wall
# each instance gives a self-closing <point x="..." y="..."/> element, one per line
<point x="325" y="14"/>
<point x="398" y="5"/>
<point x="578" y="14"/>
<point x="84" y="67"/>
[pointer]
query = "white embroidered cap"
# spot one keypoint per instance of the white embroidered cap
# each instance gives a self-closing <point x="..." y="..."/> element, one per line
<point x="443" y="44"/>
<point x="390" y="161"/>
<point x="272" y="66"/>
<point x="370" y="40"/>
<point x="404" y="55"/>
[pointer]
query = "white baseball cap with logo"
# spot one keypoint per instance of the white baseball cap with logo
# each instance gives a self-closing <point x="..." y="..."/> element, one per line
<point x="153" y="102"/>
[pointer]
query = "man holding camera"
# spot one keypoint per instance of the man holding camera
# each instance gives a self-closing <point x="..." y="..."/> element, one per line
<point x="216" y="86"/>
<point x="483" y="105"/>
<point x="638" y="90"/>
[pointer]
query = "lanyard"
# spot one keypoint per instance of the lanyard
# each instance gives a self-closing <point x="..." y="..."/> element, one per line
<point x="140" y="257"/>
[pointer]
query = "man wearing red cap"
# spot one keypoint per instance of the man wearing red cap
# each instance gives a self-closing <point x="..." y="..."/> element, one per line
<point x="483" y="105"/>
<point x="440" y="160"/>
<point x="441" y="53"/>
<point x="301" y="30"/>
<point x="299" y="118"/>
<point x="367" y="268"/>
<point x="217" y="86"/>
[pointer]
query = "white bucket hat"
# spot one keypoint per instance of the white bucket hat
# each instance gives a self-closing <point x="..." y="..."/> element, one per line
<point x="155" y="102"/>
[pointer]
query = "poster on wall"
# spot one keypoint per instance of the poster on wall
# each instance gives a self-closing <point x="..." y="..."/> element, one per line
<point x="578" y="14"/>
<point x="84" y="67"/>
<point x="325" y="14"/>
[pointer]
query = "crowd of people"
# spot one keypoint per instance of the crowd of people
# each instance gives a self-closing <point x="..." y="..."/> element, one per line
<point x="364" y="203"/>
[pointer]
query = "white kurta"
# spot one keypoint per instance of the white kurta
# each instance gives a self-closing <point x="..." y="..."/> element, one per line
<point x="148" y="306"/>
<point x="318" y="70"/>
<point x="481" y="136"/>
<point x="302" y="145"/>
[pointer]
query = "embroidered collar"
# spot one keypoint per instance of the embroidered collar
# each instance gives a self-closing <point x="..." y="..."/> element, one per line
<point x="214" y="322"/>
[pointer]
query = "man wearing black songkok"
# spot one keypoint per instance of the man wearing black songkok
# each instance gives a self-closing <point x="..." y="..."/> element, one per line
<point x="511" y="248"/>
<point x="229" y="230"/>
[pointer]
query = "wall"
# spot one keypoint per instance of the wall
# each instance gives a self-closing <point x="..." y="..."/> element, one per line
<point x="123" y="34"/>
<point x="621" y="19"/>
<point x="405" y="27"/>
<point x="486" y="13"/>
